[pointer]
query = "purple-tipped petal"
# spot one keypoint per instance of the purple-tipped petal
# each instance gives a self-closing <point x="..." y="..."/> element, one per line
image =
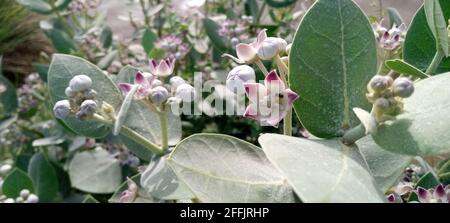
<point x="163" y="68"/>
<point x="423" y="195"/>
<point x="292" y="96"/>
<point x="255" y="91"/>
<point x="153" y="66"/>
<point x="125" y="87"/>
<point x="250" y="112"/>
<point x="139" y="78"/>
<point x="273" y="82"/>
<point x="245" y="52"/>
<point x="391" y="198"/>
<point x="439" y="192"/>
<point x="274" y="121"/>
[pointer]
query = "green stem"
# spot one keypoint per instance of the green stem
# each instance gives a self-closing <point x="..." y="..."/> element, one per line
<point x="354" y="134"/>
<point x="287" y="121"/>
<point x="435" y="62"/>
<point x="383" y="58"/>
<point x="164" y="132"/>
<point x="63" y="20"/>
<point x="132" y="135"/>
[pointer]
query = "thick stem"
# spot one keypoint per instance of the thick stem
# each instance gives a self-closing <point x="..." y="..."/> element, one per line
<point x="354" y="134"/>
<point x="435" y="62"/>
<point x="261" y="66"/>
<point x="287" y="123"/>
<point x="132" y="135"/>
<point x="164" y="132"/>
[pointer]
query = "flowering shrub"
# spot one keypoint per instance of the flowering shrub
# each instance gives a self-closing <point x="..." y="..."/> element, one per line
<point x="340" y="107"/>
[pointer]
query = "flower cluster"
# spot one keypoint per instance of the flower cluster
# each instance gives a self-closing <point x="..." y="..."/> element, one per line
<point x="25" y="197"/>
<point x="389" y="39"/>
<point x="439" y="194"/>
<point x="271" y="101"/>
<point x="234" y="30"/>
<point x="386" y="94"/>
<point x="173" y="46"/>
<point x="28" y="93"/>
<point x="81" y="100"/>
<point x="79" y="6"/>
<point x="153" y="86"/>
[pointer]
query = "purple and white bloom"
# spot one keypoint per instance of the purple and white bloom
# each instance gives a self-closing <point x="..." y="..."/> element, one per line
<point x="389" y="39"/>
<point x="439" y="194"/>
<point x="394" y="198"/>
<point x="240" y="75"/>
<point x="270" y="102"/>
<point x="130" y="194"/>
<point x="144" y="80"/>
<point x="247" y="53"/>
<point x="162" y="69"/>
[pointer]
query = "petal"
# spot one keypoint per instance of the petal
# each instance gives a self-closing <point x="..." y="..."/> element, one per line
<point x="391" y="198"/>
<point x="250" y="112"/>
<point x="139" y="78"/>
<point x="262" y="35"/>
<point x="163" y="69"/>
<point x="439" y="192"/>
<point x="153" y="66"/>
<point x="245" y="52"/>
<point x="274" y="83"/>
<point x="275" y="119"/>
<point x="423" y="195"/>
<point x="255" y="91"/>
<point x="291" y="95"/>
<point x="125" y="87"/>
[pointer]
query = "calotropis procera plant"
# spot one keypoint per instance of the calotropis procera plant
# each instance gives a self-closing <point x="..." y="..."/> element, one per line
<point x="369" y="114"/>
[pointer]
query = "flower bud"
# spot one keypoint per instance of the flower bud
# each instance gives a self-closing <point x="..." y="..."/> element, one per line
<point x="80" y="83"/>
<point x="69" y="92"/>
<point x="380" y="83"/>
<point x="156" y="83"/>
<point x="32" y="199"/>
<point x="268" y="50"/>
<point x="24" y="193"/>
<point x="62" y="109"/>
<point x="240" y="75"/>
<point x="19" y="200"/>
<point x="185" y="92"/>
<point x="5" y="168"/>
<point x="403" y="87"/>
<point x="281" y="43"/>
<point x="88" y="107"/>
<point x="159" y="95"/>
<point x="91" y="94"/>
<point x="382" y="103"/>
<point x="9" y="201"/>
<point x="176" y="81"/>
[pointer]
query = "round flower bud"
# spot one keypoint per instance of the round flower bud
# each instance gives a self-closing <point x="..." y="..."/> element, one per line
<point x="185" y="92"/>
<point x="5" y="168"/>
<point x="238" y="76"/>
<point x="32" y="199"/>
<point x="9" y="201"/>
<point x="176" y="81"/>
<point x="382" y="103"/>
<point x="403" y="87"/>
<point x="268" y="50"/>
<point x="62" y="109"/>
<point x="156" y="83"/>
<point x="159" y="95"/>
<point x="24" y="193"/>
<point x="380" y="83"/>
<point x="91" y="94"/>
<point x="88" y="107"/>
<point x="281" y="43"/>
<point x="69" y="92"/>
<point x="80" y="83"/>
<point x="19" y="200"/>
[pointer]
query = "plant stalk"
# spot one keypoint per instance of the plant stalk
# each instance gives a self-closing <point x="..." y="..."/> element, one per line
<point x="287" y="121"/>
<point x="164" y="133"/>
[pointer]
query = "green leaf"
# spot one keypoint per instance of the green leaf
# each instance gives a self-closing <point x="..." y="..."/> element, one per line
<point x="89" y="200"/>
<point x="42" y="6"/>
<point x="420" y="45"/>
<point x="386" y="167"/>
<point x="95" y="172"/>
<point x="49" y="141"/>
<point x="159" y="181"/>
<point x="107" y="59"/>
<point x="42" y="70"/>
<point x="148" y="40"/>
<point x="221" y="168"/>
<point x="252" y="9"/>
<point x="394" y="17"/>
<point x="8" y="99"/>
<point x="62" y="69"/>
<point x="123" y="112"/>
<point x="322" y="170"/>
<point x="137" y="149"/>
<point x="62" y="42"/>
<point x="5" y="123"/>
<point x="444" y="178"/>
<point x="44" y="178"/>
<point x="403" y="67"/>
<point x="16" y="181"/>
<point x="423" y="127"/>
<point x="280" y="3"/>
<point x="332" y="59"/>
<point x="144" y="121"/>
<point x="106" y="37"/>
<point x="211" y="28"/>
<point x="437" y="24"/>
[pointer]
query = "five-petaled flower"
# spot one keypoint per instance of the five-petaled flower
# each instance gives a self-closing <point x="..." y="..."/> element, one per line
<point x="439" y="194"/>
<point x="164" y="68"/>
<point x="269" y="102"/>
<point x="389" y="39"/>
<point x="144" y="80"/>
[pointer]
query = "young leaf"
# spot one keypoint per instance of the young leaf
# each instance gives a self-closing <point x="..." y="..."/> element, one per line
<point x="403" y="67"/>
<point x="62" y="69"/>
<point x="221" y="168"/>
<point x="367" y="120"/>
<point x="386" y="167"/>
<point x="423" y="127"/>
<point x="394" y="17"/>
<point x="420" y="45"/>
<point x="211" y="31"/>
<point x="437" y="24"/>
<point x="333" y="57"/>
<point x="62" y="42"/>
<point x="44" y="178"/>
<point x="322" y="170"/>
<point x="123" y="112"/>
<point x="16" y="181"/>
<point x="106" y="37"/>
<point x="148" y="40"/>
<point x="95" y="172"/>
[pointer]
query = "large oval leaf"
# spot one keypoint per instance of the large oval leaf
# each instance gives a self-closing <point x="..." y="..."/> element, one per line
<point x="62" y="69"/>
<point x="333" y="57"/>
<point x="424" y="126"/>
<point x="322" y="170"/>
<point x="16" y="181"/>
<point x="95" y="172"/>
<point x="44" y="177"/>
<point x="420" y="44"/>
<point x="386" y="167"/>
<point x="220" y="168"/>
